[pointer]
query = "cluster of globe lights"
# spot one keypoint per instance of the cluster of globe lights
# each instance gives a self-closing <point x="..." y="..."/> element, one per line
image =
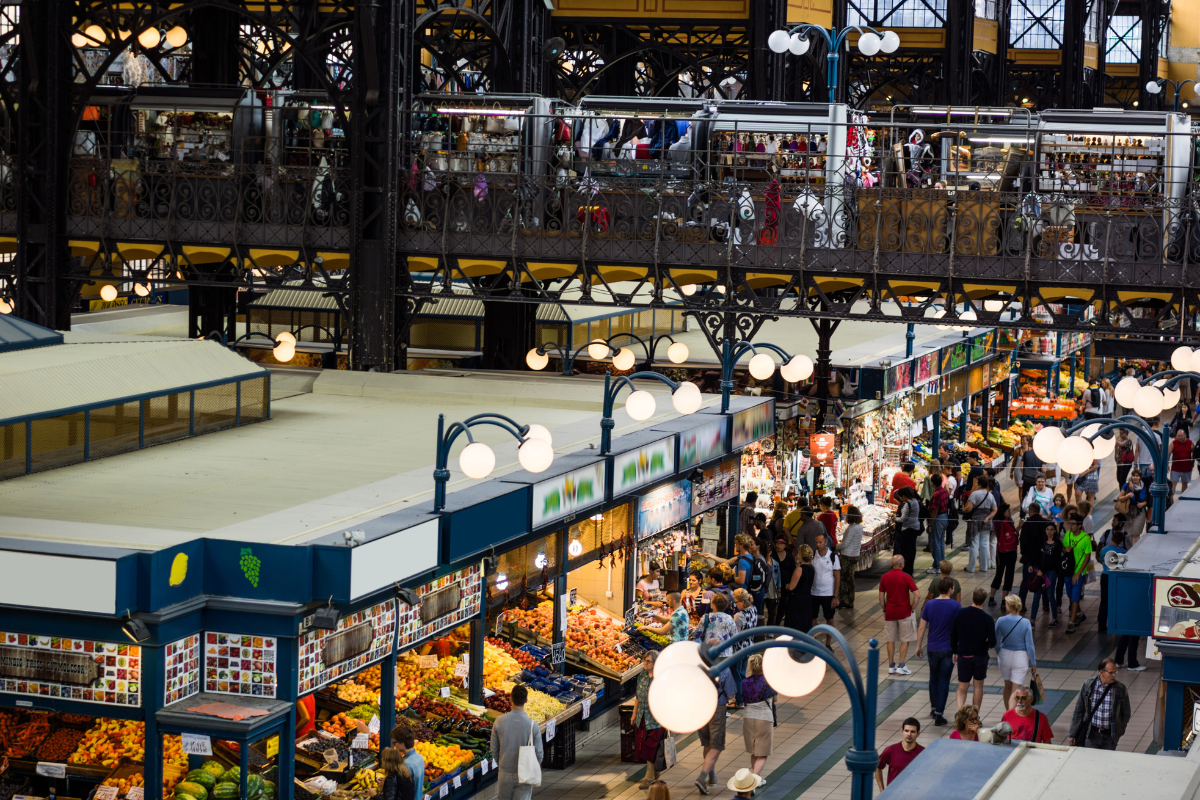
<point x="868" y="43"/>
<point x="683" y="697"/>
<point x="536" y="453"/>
<point x="1074" y="454"/>
<point x="641" y="405"/>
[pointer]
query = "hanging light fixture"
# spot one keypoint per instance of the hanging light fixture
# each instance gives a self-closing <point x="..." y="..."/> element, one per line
<point x="79" y="40"/>
<point x="598" y="349"/>
<point x="177" y="37"/>
<point x="789" y="677"/>
<point x="624" y="359"/>
<point x="108" y="292"/>
<point x="141" y="289"/>
<point x="477" y="460"/>
<point x="95" y="33"/>
<point x="1125" y="390"/>
<point x="682" y="697"/>
<point x="535" y="455"/>
<point x="762" y="366"/>
<point x="149" y="38"/>
<point x="796" y="370"/>
<point x="1046" y="442"/>
<point x="1075" y="454"/>
<point x="1181" y="359"/>
<point x="537" y="431"/>
<point x="640" y="405"/>
<point x="284" y="352"/>
<point x="6" y="306"/>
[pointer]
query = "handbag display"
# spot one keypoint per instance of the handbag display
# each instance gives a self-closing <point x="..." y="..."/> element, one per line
<point x="529" y="771"/>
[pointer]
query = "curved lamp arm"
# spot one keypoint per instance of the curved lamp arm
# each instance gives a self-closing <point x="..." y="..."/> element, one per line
<point x="731" y="352"/>
<point x="610" y="397"/>
<point x="1139" y="429"/>
<point x="447" y="436"/>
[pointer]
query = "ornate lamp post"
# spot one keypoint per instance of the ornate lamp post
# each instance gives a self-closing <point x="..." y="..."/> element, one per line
<point x="1156" y="86"/>
<point x="795" y="40"/>
<point x="793" y="369"/>
<point x="641" y="404"/>
<point x="598" y="349"/>
<point x="477" y="460"/>
<point x="683" y="696"/>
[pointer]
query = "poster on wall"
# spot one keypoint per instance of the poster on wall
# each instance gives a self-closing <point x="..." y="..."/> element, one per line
<point x="822" y="447"/>
<point x="359" y="640"/>
<point x="704" y="443"/>
<point x="719" y="485"/>
<point x="663" y="508"/>
<point x="752" y="424"/>
<point x="181" y="670"/>
<point x="237" y="664"/>
<point x="71" y="669"/>
<point x="644" y="465"/>
<point x="563" y="495"/>
<point x="445" y="603"/>
<point x="1176" y="609"/>
<point x="954" y="357"/>
<point x="926" y="368"/>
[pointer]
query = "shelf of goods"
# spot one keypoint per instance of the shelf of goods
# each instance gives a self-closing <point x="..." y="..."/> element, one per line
<point x="877" y="526"/>
<point x="552" y="696"/>
<point x="884" y="489"/>
<point x="760" y="474"/>
<point x="470" y="144"/>
<point x="593" y="637"/>
<point x="1100" y="171"/>
<point x="105" y="751"/>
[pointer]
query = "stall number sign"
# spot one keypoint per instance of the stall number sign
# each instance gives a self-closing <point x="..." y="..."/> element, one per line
<point x="106" y="793"/>
<point x="196" y="744"/>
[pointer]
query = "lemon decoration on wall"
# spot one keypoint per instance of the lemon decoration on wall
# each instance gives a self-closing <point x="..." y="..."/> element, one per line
<point x="179" y="569"/>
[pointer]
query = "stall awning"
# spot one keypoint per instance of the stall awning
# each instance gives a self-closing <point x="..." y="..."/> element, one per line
<point x="18" y="334"/>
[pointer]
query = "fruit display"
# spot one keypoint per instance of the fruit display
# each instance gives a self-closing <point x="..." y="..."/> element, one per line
<point x="501" y="701"/>
<point x="339" y="725"/>
<point x="365" y="780"/>
<point x="590" y="633"/>
<point x="363" y="712"/>
<point x="499" y="665"/>
<point x="126" y="782"/>
<point x="541" y="706"/>
<point x="1004" y="439"/>
<point x="446" y="757"/>
<point x="60" y="744"/>
<point x="110" y="740"/>
<point x="524" y="659"/>
<point x="24" y="738"/>
<point x="351" y="692"/>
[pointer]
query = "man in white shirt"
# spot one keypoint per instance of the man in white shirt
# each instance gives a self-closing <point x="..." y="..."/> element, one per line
<point x="1143" y="455"/>
<point x="826" y="582"/>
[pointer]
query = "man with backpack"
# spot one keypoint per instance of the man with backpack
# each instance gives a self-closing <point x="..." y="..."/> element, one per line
<point x="826" y="582"/>
<point x="749" y="568"/>
<point x="1093" y="402"/>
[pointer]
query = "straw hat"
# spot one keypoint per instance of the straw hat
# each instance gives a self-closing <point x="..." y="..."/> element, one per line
<point x="744" y="781"/>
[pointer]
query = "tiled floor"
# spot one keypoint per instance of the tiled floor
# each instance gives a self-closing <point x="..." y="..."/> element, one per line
<point x="814" y="732"/>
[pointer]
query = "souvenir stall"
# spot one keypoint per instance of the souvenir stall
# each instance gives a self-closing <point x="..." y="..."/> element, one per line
<point x="482" y="138"/>
<point x="615" y="137"/>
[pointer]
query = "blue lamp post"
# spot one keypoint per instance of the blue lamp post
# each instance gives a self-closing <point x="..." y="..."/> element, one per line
<point x="641" y="404"/>
<point x="795" y="40"/>
<point x="682" y="696"/>
<point x="538" y="357"/>
<point x="477" y="459"/>
<point x="794" y="368"/>
<point x="1156" y="86"/>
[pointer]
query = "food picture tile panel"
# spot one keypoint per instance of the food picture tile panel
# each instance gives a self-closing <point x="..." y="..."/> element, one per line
<point x="236" y="664"/>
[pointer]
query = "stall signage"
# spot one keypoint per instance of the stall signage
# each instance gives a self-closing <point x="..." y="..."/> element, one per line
<point x="195" y="744"/>
<point x="361" y="741"/>
<point x="71" y="669"/>
<point x="48" y="769"/>
<point x="182" y="669"/>
<point x="427" y="662"/>
<point x="456" y="596"/>
<point x="644" y="465"/>
<point x="664" y="508"/>
<point x="954" y="357"/>
<point x="273" y="746"/>
<point x="361" y="638"/>
<point x="698" y="445"/>
<point x="347" y="644"/>
<point x="1176" y="609"/>
<point x="821" y="447"/>
<point x="898" y="378"/>
<point x="237" y="664"/>
<point x="752" y="424"/>
<point x="926" y="368"/>
<point x="719" y="485"/>
<point x="564" y="495"/>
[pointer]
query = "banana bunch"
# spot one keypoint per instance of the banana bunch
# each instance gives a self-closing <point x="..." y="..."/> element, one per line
<point x="366" y="779"/>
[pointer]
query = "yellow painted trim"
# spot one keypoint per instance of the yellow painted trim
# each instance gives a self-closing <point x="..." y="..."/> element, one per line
<point x="1163" y="68"/>
<point x="1122" y="70"/>
<point x="907" y="287"/>
<point x="1052" y="294"/>
<point x="613" y="274"/>
<point x="911" y="37"/>
<point x="759" y="280"/>
<point x="478" y="267"/>
<point x="1035" y="56"/>
<point x="814" y="12"/>
<point x="422" y="263"/>
<point x="136" y="251"/>
<point x="653" y="9"/>
<point x="335" y="260"/>
<point x="1128" y="297"/>
<point x="1091" y="55"/>
<point x="81" y="248"/>
<point x="8" y="244"/>
<point x="273" y="258"/>
<point x="205" y="255"/>
<point x="831" y="284"/>
<point x="985" y="35"/>
<point x="545" y="270"/>
<point x="691" y="275"/>
<point x="978" y="290"/>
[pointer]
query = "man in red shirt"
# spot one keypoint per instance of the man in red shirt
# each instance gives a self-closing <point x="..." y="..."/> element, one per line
<point x="899" y="755"/>
<point x="1028" y="724"/>
<point x="898" y="598"/>
<point x="903" y="478"/>
<point x="828" y="519"/>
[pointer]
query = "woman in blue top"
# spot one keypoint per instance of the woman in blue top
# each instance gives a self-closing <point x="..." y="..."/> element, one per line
<point x="1014" y="647"/>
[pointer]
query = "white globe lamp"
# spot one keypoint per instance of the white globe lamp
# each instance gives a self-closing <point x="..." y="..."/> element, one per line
<point x="778" y="41"/>
<point x="149" y="38"/>
<point x="684" y="652"/>
<point x="789" y="677"/>
<point x="677" y="353"/>
<point x="537" y="431"/>
<point x="1046" y="442"/>
<point x="1181" y="359"/>
<point x="285" y="336"/>
<point x="624" y="359"/>
<point x="890" y="42"/>
<point x="535" y="455"/>
<point x="762" y="366"/>
<point x="682" y="698"/>
<point x="535" y="360"/>
<point x="1075" y="455"/>
<point x="141" y="289"/>
<point x="95" y="33"/>
<point x="1194" y="365"/>
<point x="477" y="460"/>
<point x="798" y="45"/>
<point x="1148" y="402"/>
<point x="1153" y="87"/>
<point x="598" y="349"/>
<point x="688" y="289"/>
<point x="1171" y="398"/>
<point x="284" y="352"/>
<point x="640" y="405"/>
<point x="108" y="293"/>
<point x="686" y="398"/>
<point x="5" y="306"/>
<point x="1126" y="389"/>
<point x="868" y="44"/>
<point x="1103" y="446"/>
<point x="177" y="37"/>
<point x="799" y="368"/>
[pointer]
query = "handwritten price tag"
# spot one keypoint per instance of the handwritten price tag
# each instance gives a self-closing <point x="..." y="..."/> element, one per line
<point x="196" y="744"/>
<point x="483" y="767"/>
<point x="458" y="781"/>
<point x="427" y="662"/>
<point x="106" y="793"/>
<point x="461" y="670"/>
<point x="471" y="774"/>
<point x="373" y="725"/>
<point x="444" y="791"/>
<point x="135" y="793"/>
<point x="549" y="729"/>
<point x="445" y="691"/>
<point x="361" y="742"/>
<point x="50" y="770"/>
<point x="587" y="708"/>
<point x="493" y="763"/>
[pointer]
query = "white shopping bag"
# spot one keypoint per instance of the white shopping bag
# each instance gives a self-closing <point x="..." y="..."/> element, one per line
<point x="529" y="771"/>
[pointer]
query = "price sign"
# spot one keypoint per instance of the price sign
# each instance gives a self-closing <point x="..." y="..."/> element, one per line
<point x="361" y="741"/>
<point x="493" y="763"/>
<point x="550" y="728"/>
<point x="619" y="650"/>
<point x="445" y="691"/>
<point x="574" y="597"/>
<point x="427" y="662"/>
<point x="559" y="654"/>
<point x="466" y="660"/>
<point x="458" y="781"/>
<point x="51" y="770"/>
<point x="631" y="616"/>
<point x="587" y="708"/>
<point x="272" y="747"/>
<point x="135" y="793"/>
<point x="562" y="618"/>
<point x="373" y="725"/>
<point x="444" y="791"/>
<point x="196" y="744"/>
<point x="471" y="774"/>
<point x="461" y="670"/>
<point x="488" y="692"/>
<point x="106" y="793"/>
<point x="483" y="767"/>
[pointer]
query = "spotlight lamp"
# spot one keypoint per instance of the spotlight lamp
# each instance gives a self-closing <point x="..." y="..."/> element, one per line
<point x="135" y="629"/>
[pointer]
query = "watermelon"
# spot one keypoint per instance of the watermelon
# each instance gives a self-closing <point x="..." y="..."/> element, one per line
<point x="214" y="767"/>
<point x="192" y="789"/>
<point x="232" y="775"/>
<point x="225" y="791"/>
<point x="202" y="777"/>
<point x="269" y="789"/>
<point x="254" y="785"/>
<point x="184" y="797"/>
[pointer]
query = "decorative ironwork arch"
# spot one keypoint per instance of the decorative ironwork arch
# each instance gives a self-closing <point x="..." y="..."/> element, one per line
<point x="458" y="48"/>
